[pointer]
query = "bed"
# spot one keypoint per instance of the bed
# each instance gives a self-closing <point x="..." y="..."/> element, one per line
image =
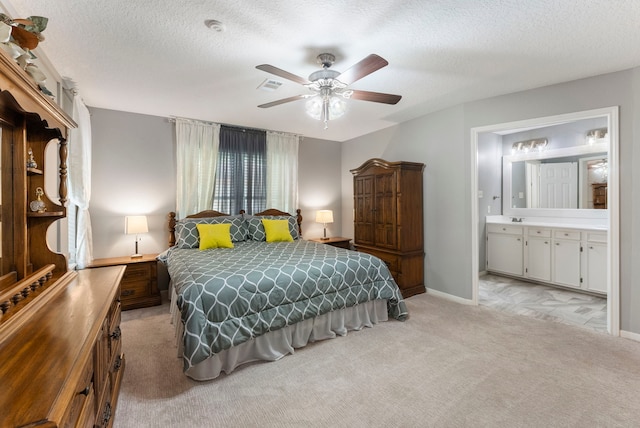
<point x="267" y="293"/>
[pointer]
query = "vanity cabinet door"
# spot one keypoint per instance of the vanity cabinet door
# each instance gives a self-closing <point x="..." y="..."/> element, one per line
<point x="596" y="267"/>
<point x="505" y="253"/>
<point x="595" y="257"/>
<point x="539" y="258"/>
<point x="566" y="262"/>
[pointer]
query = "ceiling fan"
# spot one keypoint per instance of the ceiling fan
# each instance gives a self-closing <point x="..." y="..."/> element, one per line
<point x="329" y="88"/>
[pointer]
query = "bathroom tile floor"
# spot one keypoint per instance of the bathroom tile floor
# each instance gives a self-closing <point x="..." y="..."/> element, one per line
<point x="543" y="302"/>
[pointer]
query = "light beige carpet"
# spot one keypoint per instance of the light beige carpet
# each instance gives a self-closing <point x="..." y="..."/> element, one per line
<point x="449" y="365"/>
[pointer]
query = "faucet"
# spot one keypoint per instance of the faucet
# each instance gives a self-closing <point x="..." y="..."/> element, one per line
<point x="516" y="220"/>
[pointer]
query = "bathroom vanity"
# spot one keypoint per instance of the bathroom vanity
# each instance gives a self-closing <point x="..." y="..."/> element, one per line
<point x="562" y="252"/>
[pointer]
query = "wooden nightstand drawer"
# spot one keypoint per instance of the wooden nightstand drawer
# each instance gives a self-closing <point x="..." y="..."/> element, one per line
<point x="336" y="241"/>
<point x="139" y="285"/>
<point x="132" y="289"/>
<point x="137" y="272"/>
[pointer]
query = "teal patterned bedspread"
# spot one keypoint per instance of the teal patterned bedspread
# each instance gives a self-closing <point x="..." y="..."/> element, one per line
<point x="229" y="295"/>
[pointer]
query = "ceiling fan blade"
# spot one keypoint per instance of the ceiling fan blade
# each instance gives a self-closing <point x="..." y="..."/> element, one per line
<point x="365" y="67"/>
<point x="282" y="101"/>
<point x="284" y="74"/>
<point x="376" y="97"/>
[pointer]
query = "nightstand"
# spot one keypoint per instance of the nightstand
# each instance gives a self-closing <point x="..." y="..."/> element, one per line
<point x="336" y="241"/>
<point x="139" y="285"/>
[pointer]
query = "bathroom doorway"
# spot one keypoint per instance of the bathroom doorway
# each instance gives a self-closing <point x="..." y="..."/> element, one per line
<point x="505" y="203"/>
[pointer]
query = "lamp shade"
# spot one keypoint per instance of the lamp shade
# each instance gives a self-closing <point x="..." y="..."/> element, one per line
<point x="324" y="216"/>
<point x="135" y="224"/>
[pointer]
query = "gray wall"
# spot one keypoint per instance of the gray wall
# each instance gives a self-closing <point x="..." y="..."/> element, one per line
<point x="319" y="180"/>
<point x="490" y="183"/>
<point x="442" y="141"/>
<point x="133" y="173"/>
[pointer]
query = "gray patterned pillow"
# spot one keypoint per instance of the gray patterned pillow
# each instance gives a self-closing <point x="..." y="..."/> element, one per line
<point x="187" y="232"/>
<point x="256" y="229"/>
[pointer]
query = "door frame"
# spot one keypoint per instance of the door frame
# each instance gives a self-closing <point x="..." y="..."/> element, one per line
<point x="613" y="241"/>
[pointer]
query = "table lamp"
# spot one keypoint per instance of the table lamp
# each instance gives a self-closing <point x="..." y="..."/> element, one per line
<point x="135" y="224"/>
<point x="324" y="217"/>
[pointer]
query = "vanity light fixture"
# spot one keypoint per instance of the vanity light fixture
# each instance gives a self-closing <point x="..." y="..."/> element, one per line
<point x="596" y="134"/>
<point x="537" y="145"/>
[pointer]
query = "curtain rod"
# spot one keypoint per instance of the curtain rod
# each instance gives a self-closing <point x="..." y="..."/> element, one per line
<point x="172" y="119"/>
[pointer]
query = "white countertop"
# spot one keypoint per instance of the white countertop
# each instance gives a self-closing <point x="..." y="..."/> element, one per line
<point x="558" y="222"/>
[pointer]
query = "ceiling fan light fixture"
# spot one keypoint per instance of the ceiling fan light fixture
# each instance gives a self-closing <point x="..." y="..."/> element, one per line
<point x="325" y="108"/>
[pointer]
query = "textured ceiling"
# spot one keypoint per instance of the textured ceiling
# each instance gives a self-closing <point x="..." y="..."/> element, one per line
<point x="157" y="57"/>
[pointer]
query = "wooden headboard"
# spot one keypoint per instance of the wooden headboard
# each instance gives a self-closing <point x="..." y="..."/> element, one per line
<point x="213" y="213"/>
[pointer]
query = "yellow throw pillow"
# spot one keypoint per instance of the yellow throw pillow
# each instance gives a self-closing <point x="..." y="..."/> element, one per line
<point x="277" y="230"/>
<point x="214" y="235"/>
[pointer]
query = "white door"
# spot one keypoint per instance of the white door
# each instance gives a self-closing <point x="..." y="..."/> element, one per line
<point x="559" y="185"/>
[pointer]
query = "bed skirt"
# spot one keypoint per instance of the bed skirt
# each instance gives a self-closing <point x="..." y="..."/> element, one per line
<point x="276" y="344"/>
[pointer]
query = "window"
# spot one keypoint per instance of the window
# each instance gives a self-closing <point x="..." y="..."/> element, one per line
<point x="241" y="171"/>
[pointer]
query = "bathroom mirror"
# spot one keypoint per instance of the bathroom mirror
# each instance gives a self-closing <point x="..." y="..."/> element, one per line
<point x="562" y="180"/>
<point x="574" y="147"/>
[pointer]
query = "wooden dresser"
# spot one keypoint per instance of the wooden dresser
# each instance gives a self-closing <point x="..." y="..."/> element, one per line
<point x="61" y="356"/>
<point x="61" y="359"/>
<point x="388" y="220"/>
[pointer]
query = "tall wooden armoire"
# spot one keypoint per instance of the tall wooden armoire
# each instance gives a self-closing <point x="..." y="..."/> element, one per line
<point x="388" y="218"/>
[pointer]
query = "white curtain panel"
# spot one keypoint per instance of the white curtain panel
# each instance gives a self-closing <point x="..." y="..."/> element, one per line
<point x="282" y="171"/>
<point x="197" y="153"/>
<point x="79" y="178"/>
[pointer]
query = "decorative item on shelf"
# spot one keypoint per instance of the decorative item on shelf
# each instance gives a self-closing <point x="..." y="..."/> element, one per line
<point x="324" y="217"/>
<point x="18" y="37"/>
<point x="136" y="224"/>
<point x="31" y="162"/>
<point x="38" y="205"/>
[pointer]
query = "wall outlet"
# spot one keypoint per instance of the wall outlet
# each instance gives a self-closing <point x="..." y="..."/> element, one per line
<point x="480" y="194"/>
<point x="488" y="209"/>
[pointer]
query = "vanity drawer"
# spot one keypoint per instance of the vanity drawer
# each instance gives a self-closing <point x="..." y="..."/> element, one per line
<point x="536" y="231"/>
<point x="573" y="235"/>
<point x="597" y="237"/>
<point x="504" y="228"/>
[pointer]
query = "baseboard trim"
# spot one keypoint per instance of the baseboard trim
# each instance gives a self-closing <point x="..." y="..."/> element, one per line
<point x="449" y="297"/>
<point x="630" y="335"/>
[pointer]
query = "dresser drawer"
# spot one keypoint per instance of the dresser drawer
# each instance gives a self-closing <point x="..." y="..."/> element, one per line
<point x="81" y="410"/>
<point x="392" y="261"/>
<point x="137" y="272"/>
